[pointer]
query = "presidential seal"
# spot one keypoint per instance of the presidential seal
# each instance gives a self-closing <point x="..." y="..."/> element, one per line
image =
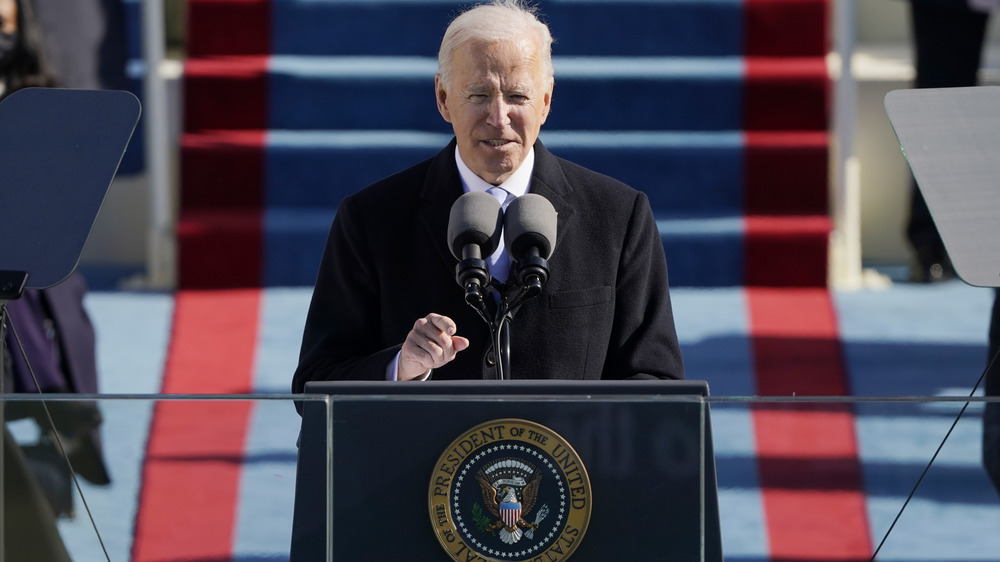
<point x="509" y="490"/>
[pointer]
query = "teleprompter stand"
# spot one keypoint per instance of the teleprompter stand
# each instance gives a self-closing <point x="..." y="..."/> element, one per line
<point x="951" y="139"/>
<point x="59" y="152"/>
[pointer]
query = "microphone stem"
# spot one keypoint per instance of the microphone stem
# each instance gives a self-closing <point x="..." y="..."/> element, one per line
<point x="474" y="298"/>
<point x="503" y="348"/>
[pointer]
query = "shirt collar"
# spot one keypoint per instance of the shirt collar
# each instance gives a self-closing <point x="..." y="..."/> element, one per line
<point x="517" y="184"/>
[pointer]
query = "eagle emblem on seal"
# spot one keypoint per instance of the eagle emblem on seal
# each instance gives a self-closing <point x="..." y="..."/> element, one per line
<point x="510" y="488"/>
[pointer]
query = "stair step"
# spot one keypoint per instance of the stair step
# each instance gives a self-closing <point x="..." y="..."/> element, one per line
<point x="316" y="93"/>
<point x="581" y="27"/>
<point x="219" y="249"/>
<point x="722" y="172"/>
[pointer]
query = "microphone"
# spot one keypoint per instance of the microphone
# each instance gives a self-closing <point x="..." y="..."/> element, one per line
<point x="474" y="229"/>
<point x="530" y="236"/>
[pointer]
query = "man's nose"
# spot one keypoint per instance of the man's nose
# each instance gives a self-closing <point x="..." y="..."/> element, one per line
<point x="499" y="113"/>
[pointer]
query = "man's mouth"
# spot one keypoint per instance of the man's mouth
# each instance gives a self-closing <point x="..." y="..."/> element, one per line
<point x="499" y="142"/>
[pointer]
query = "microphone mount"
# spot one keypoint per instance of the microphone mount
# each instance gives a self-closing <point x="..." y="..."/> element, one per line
<point x="525" y="283"/>
<point x="472" y="274"/>
<point x="528" y="227"/>
<point x="532" y="272"/>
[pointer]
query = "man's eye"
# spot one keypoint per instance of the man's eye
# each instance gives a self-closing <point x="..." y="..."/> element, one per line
<point x="478" y="97"/>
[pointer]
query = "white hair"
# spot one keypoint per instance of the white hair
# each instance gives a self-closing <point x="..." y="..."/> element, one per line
<point x="497" y="20"/>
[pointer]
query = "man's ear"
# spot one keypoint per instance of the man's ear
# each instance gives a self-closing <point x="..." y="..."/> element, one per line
<point x="547" y="100"/>
<point x="441" y="93"/>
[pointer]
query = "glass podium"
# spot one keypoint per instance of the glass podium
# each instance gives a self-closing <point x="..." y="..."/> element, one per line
<point x="214" y="477"/>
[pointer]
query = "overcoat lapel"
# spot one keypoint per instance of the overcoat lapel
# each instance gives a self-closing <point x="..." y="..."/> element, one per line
<point x="442" y="187"/>
<point x="549" y="181"/>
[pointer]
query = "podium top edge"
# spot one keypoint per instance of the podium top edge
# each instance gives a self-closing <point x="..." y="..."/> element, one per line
<point x="514" y="387"/>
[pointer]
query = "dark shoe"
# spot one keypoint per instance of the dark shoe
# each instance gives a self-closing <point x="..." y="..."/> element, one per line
<point x="931" y="269"/>
<point x="934" y="273"/>
<point x="52" y="475"/>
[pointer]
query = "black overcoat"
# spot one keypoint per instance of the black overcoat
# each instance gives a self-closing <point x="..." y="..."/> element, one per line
<point x="604" y="312"/>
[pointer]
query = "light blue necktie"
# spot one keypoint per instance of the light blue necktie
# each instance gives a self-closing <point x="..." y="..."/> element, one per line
<point x="500" y="262"/>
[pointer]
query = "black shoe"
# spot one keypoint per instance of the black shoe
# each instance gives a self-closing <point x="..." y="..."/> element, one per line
<point x="934" y="273"/>
<point x="931" y="269"/>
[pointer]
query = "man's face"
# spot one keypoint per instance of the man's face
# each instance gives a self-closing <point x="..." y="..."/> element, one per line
<point x="8" y="16"/>
<point x="496" y="103"/>
<point x="8" y="33"/>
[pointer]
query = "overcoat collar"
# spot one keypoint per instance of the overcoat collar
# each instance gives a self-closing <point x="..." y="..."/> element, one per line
<point x="443" y="186"/>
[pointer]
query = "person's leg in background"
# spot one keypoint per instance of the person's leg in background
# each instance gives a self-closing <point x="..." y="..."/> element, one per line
<point x="991" y="414"/>
<point x="948" y="41"/>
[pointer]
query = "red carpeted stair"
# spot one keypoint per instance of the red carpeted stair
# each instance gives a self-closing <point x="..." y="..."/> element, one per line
<point x="718" y="110"/>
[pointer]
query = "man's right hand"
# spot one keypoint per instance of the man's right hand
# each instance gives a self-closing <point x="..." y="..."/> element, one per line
<point x="431" y="343"/>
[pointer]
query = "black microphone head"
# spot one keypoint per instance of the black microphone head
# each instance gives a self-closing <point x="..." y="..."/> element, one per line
<point x="476" y="218"/>
<point x="530" y="222"/>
